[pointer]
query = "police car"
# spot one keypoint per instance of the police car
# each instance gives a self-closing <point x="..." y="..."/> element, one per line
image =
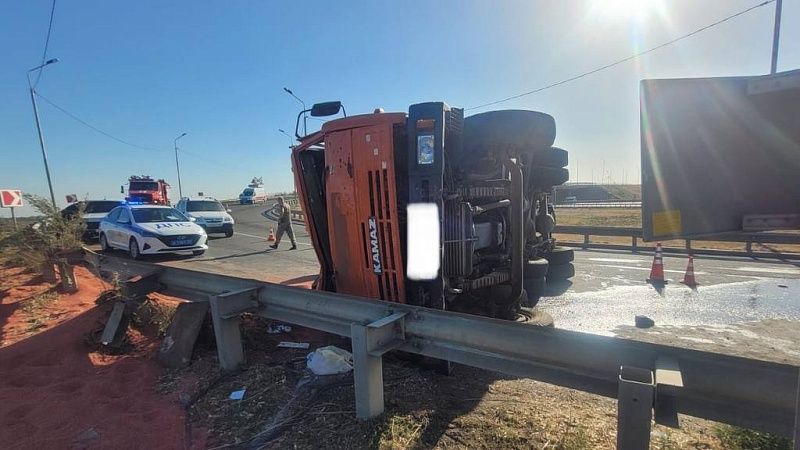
<point x="150" y="230"/>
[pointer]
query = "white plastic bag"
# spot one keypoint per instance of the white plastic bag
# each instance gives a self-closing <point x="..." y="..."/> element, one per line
<point x="329" y="360"/>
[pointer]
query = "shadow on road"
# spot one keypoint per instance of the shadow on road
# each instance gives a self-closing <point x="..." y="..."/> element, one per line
<point x="235" y="255"/>
<point x="302" y="280"/>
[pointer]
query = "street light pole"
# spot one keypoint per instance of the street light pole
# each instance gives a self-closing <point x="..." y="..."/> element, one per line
<point x="291" y="141"/>
<point x="776" y="36"/>
<point x="178" y="166"/>
<point x="39" y="128"/>
<point x="305" y="124"/>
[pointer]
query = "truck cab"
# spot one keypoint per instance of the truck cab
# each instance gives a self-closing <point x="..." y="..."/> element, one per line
<point x="144" y="189"/>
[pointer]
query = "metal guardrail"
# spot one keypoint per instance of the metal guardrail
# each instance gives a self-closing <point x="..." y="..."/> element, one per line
<point x="636" y="233"/>
<point x="601" y="204"/>
<point x="644" y="377"/>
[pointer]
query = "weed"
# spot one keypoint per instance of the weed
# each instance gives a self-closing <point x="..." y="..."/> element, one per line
<point x="400" y="432"/>
<point x="576" y="439"/>
<point x="156" y="314"/>
<point x="52" y="235"/>
<point x="737" y="438"/>
<point x="663" y="440"/>
<point x="34" y="304"/>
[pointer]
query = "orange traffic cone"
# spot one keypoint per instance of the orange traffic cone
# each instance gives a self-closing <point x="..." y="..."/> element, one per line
<point x="271" y="236"/>
<point x="689" y="279"/>
<point x="657" y="270"/>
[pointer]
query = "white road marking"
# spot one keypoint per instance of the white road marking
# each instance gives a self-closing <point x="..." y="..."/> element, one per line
<point x="262" y="237"/>
<point x="647" y="269"/>
<point x="779" y="271"/>
<point x="616" y="260"/>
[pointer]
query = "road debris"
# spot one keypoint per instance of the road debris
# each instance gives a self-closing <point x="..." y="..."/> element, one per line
<point x="644" y="322"/>
<point x="277" y="328"/>
<point x="287" y="344"/>
<point x="237" y="395"/>
<point x="329" y="360"/>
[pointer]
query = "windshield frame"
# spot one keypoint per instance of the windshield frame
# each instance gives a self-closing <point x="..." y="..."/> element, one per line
<point x="137" y="186"/>
<point x="218" y="207"/>
<point x="179" y="215"/>
<point x="88" y="209"/>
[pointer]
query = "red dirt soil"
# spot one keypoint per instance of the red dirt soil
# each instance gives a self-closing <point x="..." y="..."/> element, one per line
<point x="58" y="392"/>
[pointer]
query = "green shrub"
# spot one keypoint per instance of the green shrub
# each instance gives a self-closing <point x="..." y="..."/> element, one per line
<point x="51" y="236"/>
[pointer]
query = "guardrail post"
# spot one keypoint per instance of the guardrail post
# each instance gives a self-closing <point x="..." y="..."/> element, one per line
<point x="369" y="344"/>
<point x="688" y="245"/>
<point x="225" y="311"/>
<point x="748" y="247"/>
<point x="635" y="243"/>
<point x="585" y="241"/>
<point x="634" y="408"/>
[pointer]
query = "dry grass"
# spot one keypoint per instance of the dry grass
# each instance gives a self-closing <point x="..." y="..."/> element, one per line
<point x="155" y="314"/>
<point x="632" y="217"/>
<point x="35" y="309"/>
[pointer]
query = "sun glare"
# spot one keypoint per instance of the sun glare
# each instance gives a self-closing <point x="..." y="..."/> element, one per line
<point x="626" y="9"/>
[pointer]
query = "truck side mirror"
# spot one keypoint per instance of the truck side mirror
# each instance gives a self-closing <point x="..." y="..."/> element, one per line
<point x="326" y="109"/>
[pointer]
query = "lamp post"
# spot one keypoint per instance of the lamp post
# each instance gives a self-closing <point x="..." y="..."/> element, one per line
<point x="305" y="125"/>
<point x="776" y="34"/>
<point x="291" y="141"/>
<point x="39" y="127"/>
<point x="178" y="166"/>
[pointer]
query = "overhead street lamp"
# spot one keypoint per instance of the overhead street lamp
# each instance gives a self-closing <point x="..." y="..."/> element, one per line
<point x="291" y="141"/>
<point x="305" y="125"/>
<point x="178" y="166"/>
<point x="39" y="127"/>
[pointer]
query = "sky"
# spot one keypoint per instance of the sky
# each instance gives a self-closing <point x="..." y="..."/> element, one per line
<point x="147" y="71"/>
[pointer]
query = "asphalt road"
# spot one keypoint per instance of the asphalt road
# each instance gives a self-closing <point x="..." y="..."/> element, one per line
<point x="609" y="288"/>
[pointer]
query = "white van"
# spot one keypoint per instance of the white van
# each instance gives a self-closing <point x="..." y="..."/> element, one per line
<point x="253" y="195"/>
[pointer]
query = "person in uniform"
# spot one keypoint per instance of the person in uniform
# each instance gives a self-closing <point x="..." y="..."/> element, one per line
<point x="284" y="214"/>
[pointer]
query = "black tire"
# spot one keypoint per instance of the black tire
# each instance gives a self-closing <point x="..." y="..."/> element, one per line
<point x="513" y="129"/>
<point x="133" y="249"/>
<point x="535" y="288"/>
<point x="534" y="316"/>
<point x="546" y="177"/>
<point x="500" y="294"/>
<point x="229" y="233"/>
<point x="535" y="268"/>
<point x="560" y="255"/>
<point x="550" y="157"/>
<point x="559" y="272"/>
<point x="198" y="252"/>
<point x="104" y="247"/>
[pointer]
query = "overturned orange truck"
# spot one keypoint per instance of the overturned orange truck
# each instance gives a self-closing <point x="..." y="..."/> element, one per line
<point x="434" y="209"/>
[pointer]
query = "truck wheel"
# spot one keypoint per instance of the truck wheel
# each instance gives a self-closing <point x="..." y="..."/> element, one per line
<point x="558" y="272"/>
<point x="512" y="129"/>
<point x="229" y="233"/>
<point x="533" y="316"/>
<point x="550" y="157"/>
<point x="535" y="268"/>
<point x="104" y="247"/>
<point x="198" y="252"/>
<point x="545" y="178"/>
<point x="535" y="288"/>
<point x="560" y="255"/>
<point x="500" y="294"/>
<point x="133" y="249"/>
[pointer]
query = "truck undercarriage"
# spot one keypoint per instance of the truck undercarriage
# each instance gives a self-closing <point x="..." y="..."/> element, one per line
<point x="490" y="177"/>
